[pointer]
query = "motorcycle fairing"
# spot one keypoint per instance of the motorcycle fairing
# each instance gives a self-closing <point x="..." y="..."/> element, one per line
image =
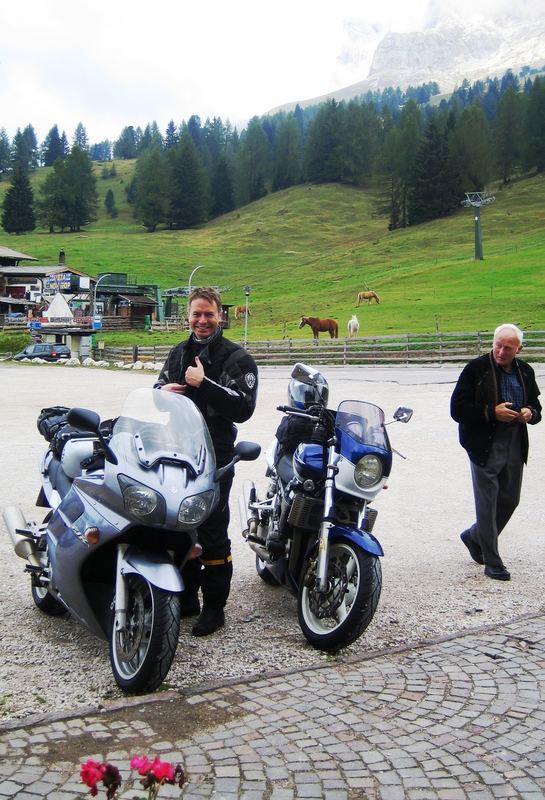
<point x="154" y="568"/>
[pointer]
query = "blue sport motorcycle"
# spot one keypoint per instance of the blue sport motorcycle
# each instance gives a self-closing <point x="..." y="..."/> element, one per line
<point x="312" y="532"/>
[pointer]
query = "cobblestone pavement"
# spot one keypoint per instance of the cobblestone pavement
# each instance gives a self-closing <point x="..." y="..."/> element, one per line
<point x="463" y="717"/>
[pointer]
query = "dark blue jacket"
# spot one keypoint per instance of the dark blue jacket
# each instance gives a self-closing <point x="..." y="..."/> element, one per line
<point x="473" y="403"/>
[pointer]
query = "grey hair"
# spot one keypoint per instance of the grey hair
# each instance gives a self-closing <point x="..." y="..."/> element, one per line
<point x="512" y="329"/>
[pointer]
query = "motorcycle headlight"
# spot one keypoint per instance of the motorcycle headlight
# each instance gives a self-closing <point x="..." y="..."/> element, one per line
<point x="368" y="471"/>
<point x="142" y="502"/>
<point x="195" y="509"/>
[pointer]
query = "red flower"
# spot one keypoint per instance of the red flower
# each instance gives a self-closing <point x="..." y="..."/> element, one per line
<point x="91" y="773"/>
<point x="154" y="775"/>
<point x="162" y="770"/>
<point x="141" y="763"/>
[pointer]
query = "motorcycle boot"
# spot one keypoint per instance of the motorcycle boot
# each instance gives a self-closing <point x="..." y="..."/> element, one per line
<point x="215" y="585"/>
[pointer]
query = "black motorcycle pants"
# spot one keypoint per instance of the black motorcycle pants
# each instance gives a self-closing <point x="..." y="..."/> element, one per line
<point x="212" y="572"/>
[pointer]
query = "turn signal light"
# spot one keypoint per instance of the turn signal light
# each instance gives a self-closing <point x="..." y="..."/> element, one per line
<point x="194" y="552"/>
<point x="92" y="535"/>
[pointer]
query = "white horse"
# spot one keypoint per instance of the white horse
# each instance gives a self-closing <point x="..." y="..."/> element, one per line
<point x="353" y="326"/>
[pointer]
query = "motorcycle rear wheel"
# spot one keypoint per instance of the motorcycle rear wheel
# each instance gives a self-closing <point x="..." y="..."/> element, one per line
<point x="264" y="572"/>
<point x="336" y="618"/>
<point x="142" y="653"/>
<point x="45" y="601"/>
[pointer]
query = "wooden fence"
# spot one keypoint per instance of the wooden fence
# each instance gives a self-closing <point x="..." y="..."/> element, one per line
<point x="410" y="348"/>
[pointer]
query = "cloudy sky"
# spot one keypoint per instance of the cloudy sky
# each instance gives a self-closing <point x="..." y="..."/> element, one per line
<point x="111" y="63"/>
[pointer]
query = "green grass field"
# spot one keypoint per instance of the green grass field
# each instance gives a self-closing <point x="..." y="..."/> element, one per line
<point x="310" y="249"/>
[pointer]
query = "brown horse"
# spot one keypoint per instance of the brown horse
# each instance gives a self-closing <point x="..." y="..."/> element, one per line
<point x="321" y="325"/>
<point x="240" y="311"/>
<point x="367" y="296"/>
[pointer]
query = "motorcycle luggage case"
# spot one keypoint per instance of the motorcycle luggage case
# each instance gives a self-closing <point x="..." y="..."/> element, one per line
<point x="50" y="420"/>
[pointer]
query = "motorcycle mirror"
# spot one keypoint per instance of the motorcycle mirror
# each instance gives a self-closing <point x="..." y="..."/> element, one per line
<point x="403" y="414"/>
<point x="86" y="420"/>
<point x="247" y="451"/>
<point x="244" y="451"/>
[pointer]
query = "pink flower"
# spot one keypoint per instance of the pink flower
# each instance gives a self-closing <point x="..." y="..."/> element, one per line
<point x="91" y="773"/>
<point x="154" y="774"/>
<point x="141" y="763"/>
<point x="162" y="770"/>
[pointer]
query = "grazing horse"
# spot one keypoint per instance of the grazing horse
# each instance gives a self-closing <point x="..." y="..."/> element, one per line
<point x="367" y="296"/>
<point x="353" y="326"/>
<point x="240" y="311"/>
<point x="320" y="325"/>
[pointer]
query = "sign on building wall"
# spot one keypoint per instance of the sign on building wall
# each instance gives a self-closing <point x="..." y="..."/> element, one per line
<point x="61" y="281"/>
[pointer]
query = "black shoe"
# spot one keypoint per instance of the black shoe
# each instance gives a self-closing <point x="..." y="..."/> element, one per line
<point x="474" y="549"/>
<point x="189" y="606"/>
<point x="497" y="573"/>
<point x="210" y="620"/>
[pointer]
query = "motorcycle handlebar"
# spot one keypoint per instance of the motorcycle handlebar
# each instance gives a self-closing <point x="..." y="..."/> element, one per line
<point x="312" y="413"/>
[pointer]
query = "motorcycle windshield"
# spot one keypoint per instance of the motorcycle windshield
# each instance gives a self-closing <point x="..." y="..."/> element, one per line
<point x="164" y="426"/>
<point x="363" y="423"/>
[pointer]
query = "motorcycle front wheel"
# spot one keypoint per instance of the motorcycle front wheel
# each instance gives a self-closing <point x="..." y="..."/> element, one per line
<point x="335" y="618"/>
<point x="142" y="652"/>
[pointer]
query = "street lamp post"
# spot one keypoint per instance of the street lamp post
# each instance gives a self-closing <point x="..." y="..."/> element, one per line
<point x="247" y="293"/>
<point x="189" y="284"/>
<point x="93" y="307"/>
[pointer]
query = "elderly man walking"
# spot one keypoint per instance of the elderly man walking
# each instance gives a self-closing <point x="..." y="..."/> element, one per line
<point x="495" y="398"/>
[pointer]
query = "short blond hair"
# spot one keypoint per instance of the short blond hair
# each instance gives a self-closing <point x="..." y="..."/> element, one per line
<point x="511" y="329"/>
<point x="205" y="293"/>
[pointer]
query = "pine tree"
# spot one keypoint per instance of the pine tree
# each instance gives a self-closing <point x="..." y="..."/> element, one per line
<point x="534" y="126"/>
<point x="470" y="150"/>
<point x="109" y="203"/>
<point x="431" y="193"/>
<point x="52" y="147"/>
<point x="151" y="189"/>
<point x="188" y="186"/>
<point x="323" y="147"/>
<point x="81" y="139"/>
<point x="171" y="135"/>
<point x="253" y="163"/>
<point x="126" y="146"/>
<point x="68" y="195"/>
<point x="18" y="214"/>
<point x="508" y="132"/>
<point x="223" y="195"/>
<point x="288" y="166"/>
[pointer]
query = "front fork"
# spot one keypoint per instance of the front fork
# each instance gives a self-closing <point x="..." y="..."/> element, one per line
<point x="120" y="597"/>
<point x="322" y="566"/>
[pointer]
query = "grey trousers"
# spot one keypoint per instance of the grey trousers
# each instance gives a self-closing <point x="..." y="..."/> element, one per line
<point x="496" y="489"/>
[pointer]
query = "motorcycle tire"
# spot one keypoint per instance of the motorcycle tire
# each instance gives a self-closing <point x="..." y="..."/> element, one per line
<point x="45" y="601"/>
<point x="142" y="653"/>
<point x="264" y="572"/>
<point x="336" y="618"/>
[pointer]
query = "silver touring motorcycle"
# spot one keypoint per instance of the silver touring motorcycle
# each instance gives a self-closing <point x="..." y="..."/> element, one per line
<point x="312" y="531"/>
<point x="125" y="500"/>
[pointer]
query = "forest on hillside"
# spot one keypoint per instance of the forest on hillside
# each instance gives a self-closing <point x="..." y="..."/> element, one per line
<point x="423" y="155"/>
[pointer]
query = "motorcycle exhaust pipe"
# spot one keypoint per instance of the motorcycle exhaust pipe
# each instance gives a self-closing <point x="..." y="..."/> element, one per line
<point x="261" y="551"/>
<point x="249" y="518"/>
<point x="23" y="543"/>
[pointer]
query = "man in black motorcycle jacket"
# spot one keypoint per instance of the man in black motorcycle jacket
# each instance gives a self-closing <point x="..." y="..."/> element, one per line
<point x="495" y="398"/>
<point x="220" y="377"/>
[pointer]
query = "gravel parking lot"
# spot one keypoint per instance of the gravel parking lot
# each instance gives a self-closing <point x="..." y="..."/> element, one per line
<point x="431" y="588"/>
